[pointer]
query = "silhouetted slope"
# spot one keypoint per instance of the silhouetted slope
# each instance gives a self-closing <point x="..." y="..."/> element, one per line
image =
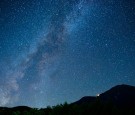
<point x="86" y="99"/>
<point x="121" y="95"/>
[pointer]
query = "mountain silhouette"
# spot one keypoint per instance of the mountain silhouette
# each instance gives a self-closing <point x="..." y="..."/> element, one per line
<point x="120" y="95"/>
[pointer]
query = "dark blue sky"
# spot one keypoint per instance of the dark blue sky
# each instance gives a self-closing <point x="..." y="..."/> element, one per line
<point x="52" y="51"/>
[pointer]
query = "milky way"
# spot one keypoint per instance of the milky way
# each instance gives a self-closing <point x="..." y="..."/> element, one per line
<point x="54" y="51"/>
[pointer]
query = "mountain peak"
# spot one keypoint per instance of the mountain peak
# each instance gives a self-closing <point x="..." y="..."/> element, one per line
<point x="124" y="85"/>
<point x="123" y="88"/>
<point x="121" y="95"/>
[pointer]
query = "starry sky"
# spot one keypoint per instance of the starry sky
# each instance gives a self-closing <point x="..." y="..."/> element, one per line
<point x="52" y="51"/>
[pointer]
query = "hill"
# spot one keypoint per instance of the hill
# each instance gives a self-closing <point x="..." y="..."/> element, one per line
<point x="120" y="95"/>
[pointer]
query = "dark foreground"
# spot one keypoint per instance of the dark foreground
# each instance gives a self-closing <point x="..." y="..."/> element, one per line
<point x="65" y="109"/>
<point x="119" y="100"/>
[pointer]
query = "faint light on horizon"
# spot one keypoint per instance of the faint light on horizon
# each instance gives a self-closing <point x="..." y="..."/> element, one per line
<point x="98" y="95"/>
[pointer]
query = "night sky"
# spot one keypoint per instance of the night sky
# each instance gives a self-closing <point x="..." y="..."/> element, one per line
<point x="52" y="51"/>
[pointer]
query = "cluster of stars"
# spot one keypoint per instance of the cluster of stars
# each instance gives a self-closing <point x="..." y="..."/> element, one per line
<point x="54" y="51"/>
